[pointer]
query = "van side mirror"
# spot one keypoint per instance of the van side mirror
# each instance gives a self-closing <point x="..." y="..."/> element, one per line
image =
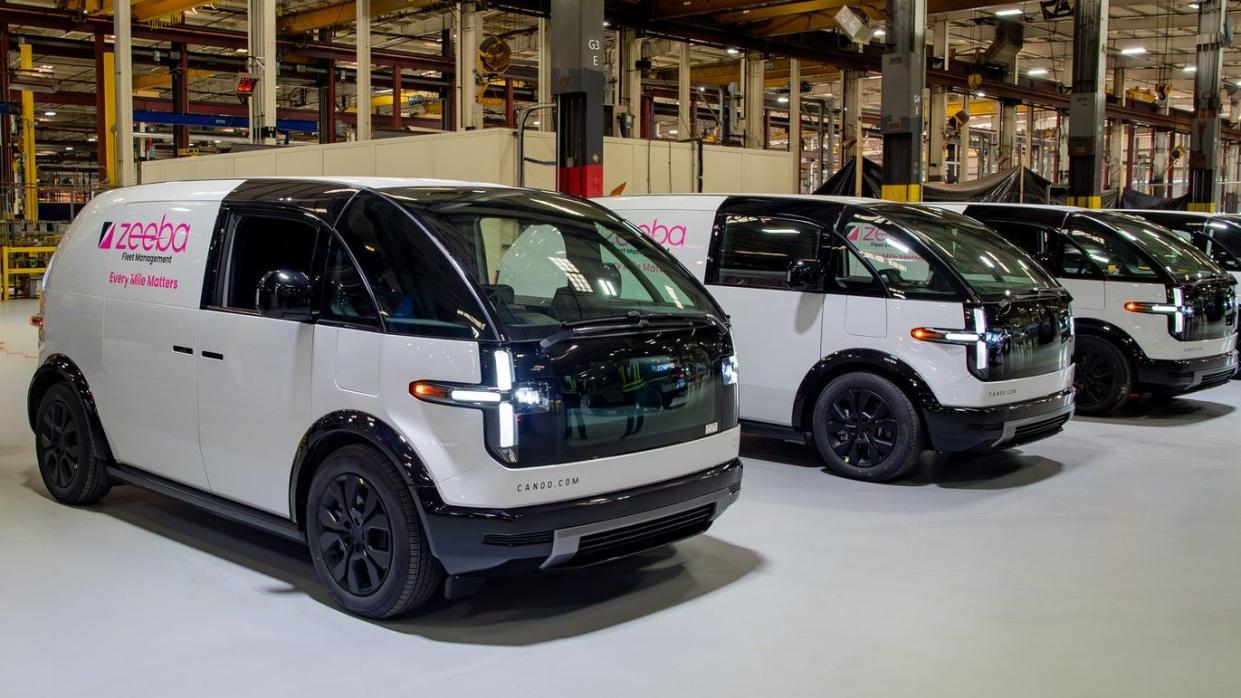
<point x="805" y="275"/>
<point x="285" y="295"/>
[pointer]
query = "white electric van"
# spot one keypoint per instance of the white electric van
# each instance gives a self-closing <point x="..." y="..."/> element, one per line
<point x="1153" y="313"/>
<point x="421" y="380"/>
<point x="875" y="330"/>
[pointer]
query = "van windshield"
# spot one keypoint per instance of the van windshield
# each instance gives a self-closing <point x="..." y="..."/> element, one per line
<point x="544" y="259"/>
<point x="992" y="266"/>
<point x="1176" y="257"/>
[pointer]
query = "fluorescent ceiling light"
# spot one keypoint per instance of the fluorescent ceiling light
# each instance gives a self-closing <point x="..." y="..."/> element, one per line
<point x="1008" y="12"/>
<point x="1192" y="5"/>
<point x="49" y="113"/>
<point x="1133" y="51"/>
<point x="733" y="51"/>
<point x="1189" y="69"/>
<point x="1035" y="72"/>
<point x="783" y="99"/>
<point x="879" y="34"/>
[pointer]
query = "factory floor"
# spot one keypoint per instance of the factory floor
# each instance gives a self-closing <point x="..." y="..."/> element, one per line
<point x="1103" y="562"/>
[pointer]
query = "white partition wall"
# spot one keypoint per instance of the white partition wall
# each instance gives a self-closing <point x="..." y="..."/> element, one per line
<point x="490" y="155"/>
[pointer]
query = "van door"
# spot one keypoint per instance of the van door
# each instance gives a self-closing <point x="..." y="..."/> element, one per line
<point x="254" y="373"/>
<point x="777" y="326"/>
<point x="148" y="404"/>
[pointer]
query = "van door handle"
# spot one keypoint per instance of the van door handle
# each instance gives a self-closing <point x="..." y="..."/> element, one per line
<point x="182" y="350"/>
<point x="213" y="355"/>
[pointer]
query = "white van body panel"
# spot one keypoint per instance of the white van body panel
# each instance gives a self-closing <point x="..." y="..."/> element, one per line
<point x="780" y="335"/>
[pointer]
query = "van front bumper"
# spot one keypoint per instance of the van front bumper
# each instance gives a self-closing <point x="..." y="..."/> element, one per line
<point x="480" y="543"/>
<point x="958" y="429"/>
<point x="1186" y="375"/>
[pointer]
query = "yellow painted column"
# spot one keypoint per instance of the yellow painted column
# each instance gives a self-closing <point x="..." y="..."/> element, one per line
<point x="109" y="114"/>
<point x="29" y="173"/>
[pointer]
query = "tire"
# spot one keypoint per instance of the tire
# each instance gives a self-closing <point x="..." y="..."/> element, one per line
<point x="69" y="462"/>
<point x="361" y="514"/>
<point x="866" y="428"/>
<point x="1102" y="377"/>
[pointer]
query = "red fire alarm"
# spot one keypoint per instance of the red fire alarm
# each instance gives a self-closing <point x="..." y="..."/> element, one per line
<point x="245" y="85"/>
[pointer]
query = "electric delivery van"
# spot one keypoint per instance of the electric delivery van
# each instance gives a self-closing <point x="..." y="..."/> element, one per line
<point x="873" y="329"/>
<point x="1216" y="234"/>
<point x="428" y="383"/>
<point x="1153" y="313"/>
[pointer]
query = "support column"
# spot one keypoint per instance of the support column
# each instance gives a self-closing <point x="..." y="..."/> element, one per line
<point x="795" y="147"/>
<point x="545" y="73"/>
<point x="30" y="174"/>
<point x="103" y="104"/>
<point x="904" y="77"/>
<point x="1006" y="155"/>
<point x="851" y="114"/>
<point x="1204" y="140"/>
<point x="469" y="29"/>
<point x="755" y="98"/>
<point x="1087" y="103"/>
<point x="937" y="122"/>
<point x="362" y="88"/>
<point x="181" y="97"/>
<point x="263" y="63"/>
<point x="963" y="142"/>
<point x="122" y="29"/>
<point x="327" y="94"/>
<point x="632" y="87"/>
<point x="1159" y="162"/>
<point x="398" y="99"/>
<point x="1115" y="178"/>
<point x="685" y="98"/>
<point x="579" y="82"/>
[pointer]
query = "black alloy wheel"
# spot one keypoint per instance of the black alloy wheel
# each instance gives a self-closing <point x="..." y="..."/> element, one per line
<point x="365" y="535"/>
<point x="1102" y="376"/>
<point x="860" y="427"/>
<point x="356" y="534"/>
<point x="69" y="463"/>
<point x="867" y="428"/>
<point x="60" y="448"/>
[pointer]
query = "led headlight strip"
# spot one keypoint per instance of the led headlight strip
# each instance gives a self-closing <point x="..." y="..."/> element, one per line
<point x="501" y="397"/>
<point x="1177" y="308"/>
<point x="976" y="337"/>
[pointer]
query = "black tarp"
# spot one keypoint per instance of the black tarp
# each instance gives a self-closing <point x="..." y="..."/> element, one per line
<point x="1001" y="187"/>
<point x="1131" y="198"/>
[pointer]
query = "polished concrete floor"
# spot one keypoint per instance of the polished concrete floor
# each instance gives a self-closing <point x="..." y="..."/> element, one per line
<point x="1104" y="562"/>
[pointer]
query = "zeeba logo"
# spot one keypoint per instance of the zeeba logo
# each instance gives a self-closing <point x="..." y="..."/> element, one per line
<point x="153" y="236"/>
<point x="666" y="236"/>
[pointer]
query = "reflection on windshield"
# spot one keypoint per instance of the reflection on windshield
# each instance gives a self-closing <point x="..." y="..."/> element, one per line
<point x="544" y="259"/>
<point x="1180" y="259"/>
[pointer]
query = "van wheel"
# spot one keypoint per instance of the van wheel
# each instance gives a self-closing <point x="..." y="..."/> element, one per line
<point x="866" y="428"/>
<point x="365" y="538"/>
<point x="72" y="471"/>
<point x="1102" y="377"/>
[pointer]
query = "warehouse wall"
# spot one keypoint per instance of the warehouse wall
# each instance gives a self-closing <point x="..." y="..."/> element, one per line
<point x="490" y="156"/>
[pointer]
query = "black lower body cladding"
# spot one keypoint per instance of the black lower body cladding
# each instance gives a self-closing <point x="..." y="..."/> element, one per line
<point x="1186" y="375"/>
<point x="962" y="429"/>
<point x="499" y="542"/>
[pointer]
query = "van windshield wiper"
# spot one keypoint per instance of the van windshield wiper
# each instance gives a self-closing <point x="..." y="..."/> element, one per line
<point x="631" y="320"/>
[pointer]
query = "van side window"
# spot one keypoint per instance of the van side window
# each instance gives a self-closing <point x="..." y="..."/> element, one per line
<point x="1117" y="260"/>
<point x="758" y="250"/>
<point x="345" y="297"/>
<point x="847" y="273"/>
<point x="418" y="289"/>
<point x="255" y="245"/>
<point x="901" y="267"/>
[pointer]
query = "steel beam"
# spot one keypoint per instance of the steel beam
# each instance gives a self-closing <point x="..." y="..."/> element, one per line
<point x="795" y="142"/>
<point x="1204" y="139"/>
<point x="685" y="97"/>
<point x="263" y="63"/>
<point x="1086" y="107"/>
<point x="937" y="122"/>
<point x="181" y="96"/>
<point x="754" y="100"/>
<point x="904" y="77"/>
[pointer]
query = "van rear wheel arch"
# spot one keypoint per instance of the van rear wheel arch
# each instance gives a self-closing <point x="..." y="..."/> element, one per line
<point x="57" y="369"/>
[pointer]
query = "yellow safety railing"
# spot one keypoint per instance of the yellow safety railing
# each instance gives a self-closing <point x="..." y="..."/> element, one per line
<point x="7" y="270"/>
